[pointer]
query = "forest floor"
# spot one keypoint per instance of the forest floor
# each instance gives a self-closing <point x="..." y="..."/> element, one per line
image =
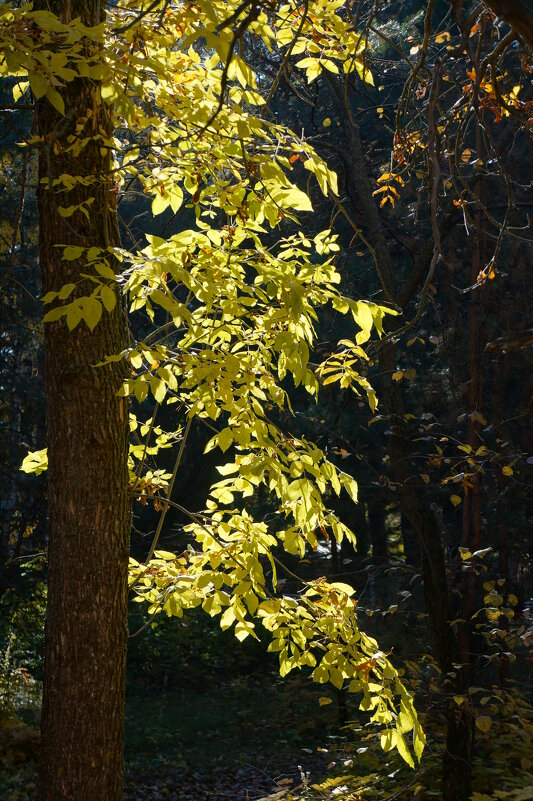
<point x="239" y="742"/>
<point x="235" y="743"/>
<point x="247" y="783"/>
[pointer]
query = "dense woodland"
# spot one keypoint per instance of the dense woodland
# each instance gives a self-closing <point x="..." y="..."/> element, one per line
<point x="266" y="371"/>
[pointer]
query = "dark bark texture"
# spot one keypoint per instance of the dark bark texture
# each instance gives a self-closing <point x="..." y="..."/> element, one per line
<point x="86" y="626"/>
<point x="457" y="766"/>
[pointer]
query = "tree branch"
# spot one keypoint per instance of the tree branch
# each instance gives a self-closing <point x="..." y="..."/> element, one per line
<point x="517" y="15"/>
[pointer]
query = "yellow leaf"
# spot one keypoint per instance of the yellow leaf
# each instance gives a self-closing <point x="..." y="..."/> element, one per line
<point x="345" y="588"/>
<point x="72" y="252"/>
<point x="507" y="470"/>
<point x="38" y="84"/>
<point x="324" y="701"/>
<point x="388" y="739"/>
<point x="227" y="618"/>
<point x="160" y="203"/>
<point x="19" y="89"/>
<point x="158" y="388"/>
<point x="455" y="499"/>
<point x="53" y="97"/>
<point x="484" y="723"/>
<point x="35" y="462"/>
<point x="403" y="751"/>
<point x="225" y="438"/>
<point x="108" y="297"/>
<point x="66" y="211"/>
<point x="363" y="71"/>
<point x="327" y="122"/>
<point x="465" y="448"/>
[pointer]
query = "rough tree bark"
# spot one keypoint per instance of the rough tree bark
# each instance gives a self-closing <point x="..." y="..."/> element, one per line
<point x="87" y="424"/>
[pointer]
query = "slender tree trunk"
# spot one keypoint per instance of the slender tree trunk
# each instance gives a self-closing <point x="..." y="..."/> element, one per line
<point x="456" y="781"/>
<point x="87" y="424"/>
<point x="457" y="767"/>
<point x="378" y="533"/>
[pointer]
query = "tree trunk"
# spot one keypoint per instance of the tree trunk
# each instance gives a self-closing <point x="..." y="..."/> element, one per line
<point x="457" y="766"/>
<point x="87" y="424"/>
<point x="456" y="782"/>
<point x="378" y="533"/>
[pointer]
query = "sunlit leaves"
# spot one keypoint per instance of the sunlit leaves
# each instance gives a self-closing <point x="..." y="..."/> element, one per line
<point x="35" y="462"/>
<point x="317" y="631"/>
<point x="240" y="300"/>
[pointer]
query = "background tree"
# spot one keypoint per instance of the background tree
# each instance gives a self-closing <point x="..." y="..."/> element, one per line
<point x="440" y="174"/>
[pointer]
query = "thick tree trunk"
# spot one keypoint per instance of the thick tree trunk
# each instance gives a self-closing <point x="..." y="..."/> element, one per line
<point x="89" y="508"/>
